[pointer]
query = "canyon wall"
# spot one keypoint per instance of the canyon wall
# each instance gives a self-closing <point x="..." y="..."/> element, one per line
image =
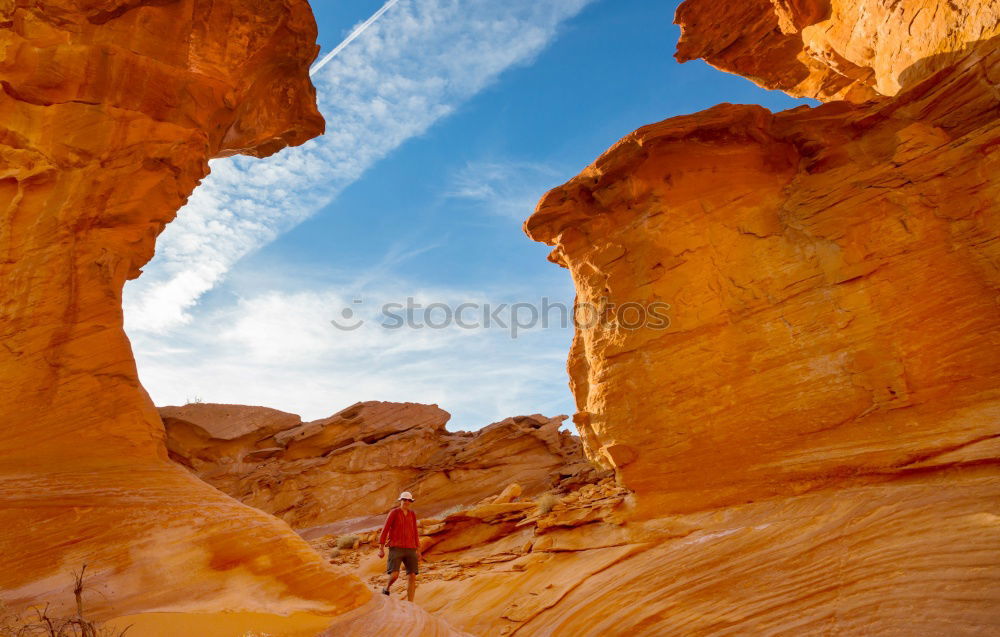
<point x="833" y="306"/>
<point x="344" y="473"/>
<point x="824" y="405"/>
<point x="109" y="111"/>
<point x="809" y="447"/>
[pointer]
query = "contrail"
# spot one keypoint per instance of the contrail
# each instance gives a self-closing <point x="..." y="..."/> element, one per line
<point x="354" y="34"/>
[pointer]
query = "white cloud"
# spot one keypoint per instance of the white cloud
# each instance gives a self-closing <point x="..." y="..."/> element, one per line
<point x="278" y="348"/>
<point x="414" y="66"/>
<point x="509" y="189"/>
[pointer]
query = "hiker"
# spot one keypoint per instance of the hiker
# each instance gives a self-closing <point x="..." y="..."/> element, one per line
<point x="400" y="532"/>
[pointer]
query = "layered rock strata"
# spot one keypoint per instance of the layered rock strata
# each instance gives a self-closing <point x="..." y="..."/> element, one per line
<point x="859" y="561"/>
<point x="492" y="566"/>
<point x="834" y="313"/>
<point x="344" y="472"/>
<point x="109" y="111"/>
<point x="825" y="401"/>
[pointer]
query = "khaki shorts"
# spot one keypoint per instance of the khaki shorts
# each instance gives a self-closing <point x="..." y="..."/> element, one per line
<point x="407" y="556"/>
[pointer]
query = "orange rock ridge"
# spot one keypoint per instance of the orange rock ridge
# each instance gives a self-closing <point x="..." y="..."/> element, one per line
<point x="109" y="111"/>
<point x="343" y="473"/>
<point x="861" y="561"/>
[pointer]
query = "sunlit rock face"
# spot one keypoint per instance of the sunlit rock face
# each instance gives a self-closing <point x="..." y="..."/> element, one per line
<point x="109" y="111"/>
<point x="834" y="340"/>
<point x="344" y="473"/>
<point x="836" y="49"/>
<point x="868" y="560"/>
<point x="495" y="566"/>
<point x="832" y="276"/>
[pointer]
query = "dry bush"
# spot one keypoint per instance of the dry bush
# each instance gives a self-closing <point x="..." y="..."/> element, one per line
<point x="346" y="541"/>
<point x="546" y="502"/>
<point x="41" y="624"/>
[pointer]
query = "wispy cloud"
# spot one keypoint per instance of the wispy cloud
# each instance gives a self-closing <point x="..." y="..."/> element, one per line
<point x="506" y="188"/>
<point x="406" y="71"/>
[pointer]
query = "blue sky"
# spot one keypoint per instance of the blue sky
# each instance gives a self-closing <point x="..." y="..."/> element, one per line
<point x="446" y="122"/>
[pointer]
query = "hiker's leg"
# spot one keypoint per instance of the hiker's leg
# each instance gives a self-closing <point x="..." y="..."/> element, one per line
<point x="411" y="586"/>
<point x="392" y="568"/>
<point x="392" y="578"/>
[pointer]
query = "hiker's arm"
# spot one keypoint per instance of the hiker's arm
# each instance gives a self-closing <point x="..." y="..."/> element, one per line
<point x="384" y="536"/>
<point x="416" y="534"/>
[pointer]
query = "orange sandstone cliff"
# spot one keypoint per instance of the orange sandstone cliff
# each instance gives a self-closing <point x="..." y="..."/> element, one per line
<point x="832" y="273"/>
<point x="343" y="473"/>
<point x="813" y="441"/>
<point x="109" y="111"/>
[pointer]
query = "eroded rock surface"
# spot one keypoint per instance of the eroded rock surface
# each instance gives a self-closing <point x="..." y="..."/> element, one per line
<point x="493" y="566"/>
<point x="834" y="308"/>
<point x="836" y="49"/>
<point x="810" y="447"/>
<point x="824" y="403"/>
<point x="866" y="560"/>
<point x="109" y="111"/>
<point x="344" y="472"/>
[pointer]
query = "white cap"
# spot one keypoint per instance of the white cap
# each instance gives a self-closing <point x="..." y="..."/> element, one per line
<point x="405" y="495"/>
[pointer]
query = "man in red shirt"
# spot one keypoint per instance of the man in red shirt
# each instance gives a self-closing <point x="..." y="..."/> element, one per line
<point x="400" y="532"/>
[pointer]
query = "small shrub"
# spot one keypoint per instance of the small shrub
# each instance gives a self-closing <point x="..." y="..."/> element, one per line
<point x="44" y="625"/>
<point x="346" y="541"/>
<point x="546" y="502"/>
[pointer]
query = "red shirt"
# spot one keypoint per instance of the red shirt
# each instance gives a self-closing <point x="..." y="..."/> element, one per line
<point x="400" y="530"/>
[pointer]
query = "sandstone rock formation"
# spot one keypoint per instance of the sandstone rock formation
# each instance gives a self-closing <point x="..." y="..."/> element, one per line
<point x="810" y="446"/>
<point x="492" y="568"/>
<point x="834" y="307"/>
<point x="823" y="407"/>
<point x="913" y="559"/>
<point x="836" y="49"/>
<point x="578" y="564"/>
<point x="344" y="472"/>
<point x="109" y="111"/>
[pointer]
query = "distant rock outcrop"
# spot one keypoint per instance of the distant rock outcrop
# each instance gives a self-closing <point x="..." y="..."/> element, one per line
<point x="344" y="472"/>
